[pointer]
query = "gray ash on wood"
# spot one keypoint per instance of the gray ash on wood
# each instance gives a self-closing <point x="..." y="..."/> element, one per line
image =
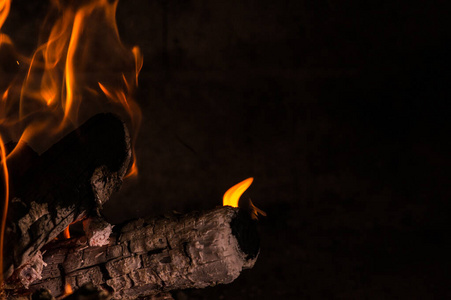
<point x="151" y="256"/>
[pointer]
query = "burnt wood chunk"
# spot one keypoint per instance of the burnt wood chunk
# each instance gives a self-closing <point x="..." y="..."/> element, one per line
<point x="69" y="181"/>
<point x="147" y="257"/>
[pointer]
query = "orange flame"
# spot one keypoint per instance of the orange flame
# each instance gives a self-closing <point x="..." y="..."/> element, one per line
<point x="80" y="68"/>
<point x="67" y="290"/>
<point x="133" y="172"/>
<point x="4" y="11"/>
<point x="232" y="196"/>
<point x="66" y="233"/>
<point x="5" y="205"/>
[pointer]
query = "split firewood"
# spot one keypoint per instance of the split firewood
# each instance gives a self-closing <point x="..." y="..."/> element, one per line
<point x="151" y="256"/>
<point x="68" y="182"/>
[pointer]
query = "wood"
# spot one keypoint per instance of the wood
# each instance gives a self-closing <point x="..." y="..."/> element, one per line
<point x="69" y="181"/>
<point x="151" y="256"/>
<point x="90" y="292"/>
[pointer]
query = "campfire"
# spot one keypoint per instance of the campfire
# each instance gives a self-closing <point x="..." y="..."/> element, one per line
<point x="68" y="125"/>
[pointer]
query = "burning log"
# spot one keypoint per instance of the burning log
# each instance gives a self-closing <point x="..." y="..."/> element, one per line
<point x="143" y="258"/>
<point x="68" y="182"/>
<point x="146" y="257"/>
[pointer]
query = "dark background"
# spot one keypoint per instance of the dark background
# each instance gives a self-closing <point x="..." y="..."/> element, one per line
<point x="338" y="109"/>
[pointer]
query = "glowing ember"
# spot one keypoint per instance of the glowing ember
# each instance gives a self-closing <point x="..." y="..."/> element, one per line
<point x="133" y="172"/>
<point x="4" y="11"/>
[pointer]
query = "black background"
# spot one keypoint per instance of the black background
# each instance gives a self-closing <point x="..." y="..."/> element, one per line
<point x="338" y="109"/>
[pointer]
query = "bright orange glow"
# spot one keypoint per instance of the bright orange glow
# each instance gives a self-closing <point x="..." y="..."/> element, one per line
<point x="69" y="70"/>
<point x="232" y="196"/>
<point x="67" y="290"/>
<point x="66" y="233"/>
<point x="5" y="93"/>
<point x="4" y="10"/>
<point x="133" y="172"/>
<point x="5" y="205"/>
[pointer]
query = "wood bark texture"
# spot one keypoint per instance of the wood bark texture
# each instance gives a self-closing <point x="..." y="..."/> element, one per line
<point x="70" y="180"/>
<point x="151" y="256"/>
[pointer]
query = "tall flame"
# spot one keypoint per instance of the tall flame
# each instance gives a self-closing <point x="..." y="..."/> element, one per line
<point x="5" y="204"/>
<point x="80" y="68"/>
<point x="4" y="11"/>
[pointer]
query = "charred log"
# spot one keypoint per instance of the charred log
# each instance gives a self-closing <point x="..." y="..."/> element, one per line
<point x="147" y="257"/>
<point x="70" y="180"/>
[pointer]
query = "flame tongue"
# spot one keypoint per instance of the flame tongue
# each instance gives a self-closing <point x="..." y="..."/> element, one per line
<point x="67" y="290"/>
<point x="232" y="196"/>
<point x="4" y="11"/>
<point x="5" y="204"/>
<point x="81" y="69"/>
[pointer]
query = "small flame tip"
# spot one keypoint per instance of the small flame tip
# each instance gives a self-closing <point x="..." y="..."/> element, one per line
<point x="68" y="289"/>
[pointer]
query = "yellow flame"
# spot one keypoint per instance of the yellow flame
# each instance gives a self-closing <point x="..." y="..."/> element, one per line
<point x="66" y="233"/>
<point x="232" y="196"/>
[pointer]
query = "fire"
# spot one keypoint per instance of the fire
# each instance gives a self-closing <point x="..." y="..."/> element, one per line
<point x="67" y="290"/>
<point x="80" y="68"/>
<point x="4" y="11"/>
<point x="232" y="198"/>
<point x="66" y="233"/>
<point x="5" y="205"/>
